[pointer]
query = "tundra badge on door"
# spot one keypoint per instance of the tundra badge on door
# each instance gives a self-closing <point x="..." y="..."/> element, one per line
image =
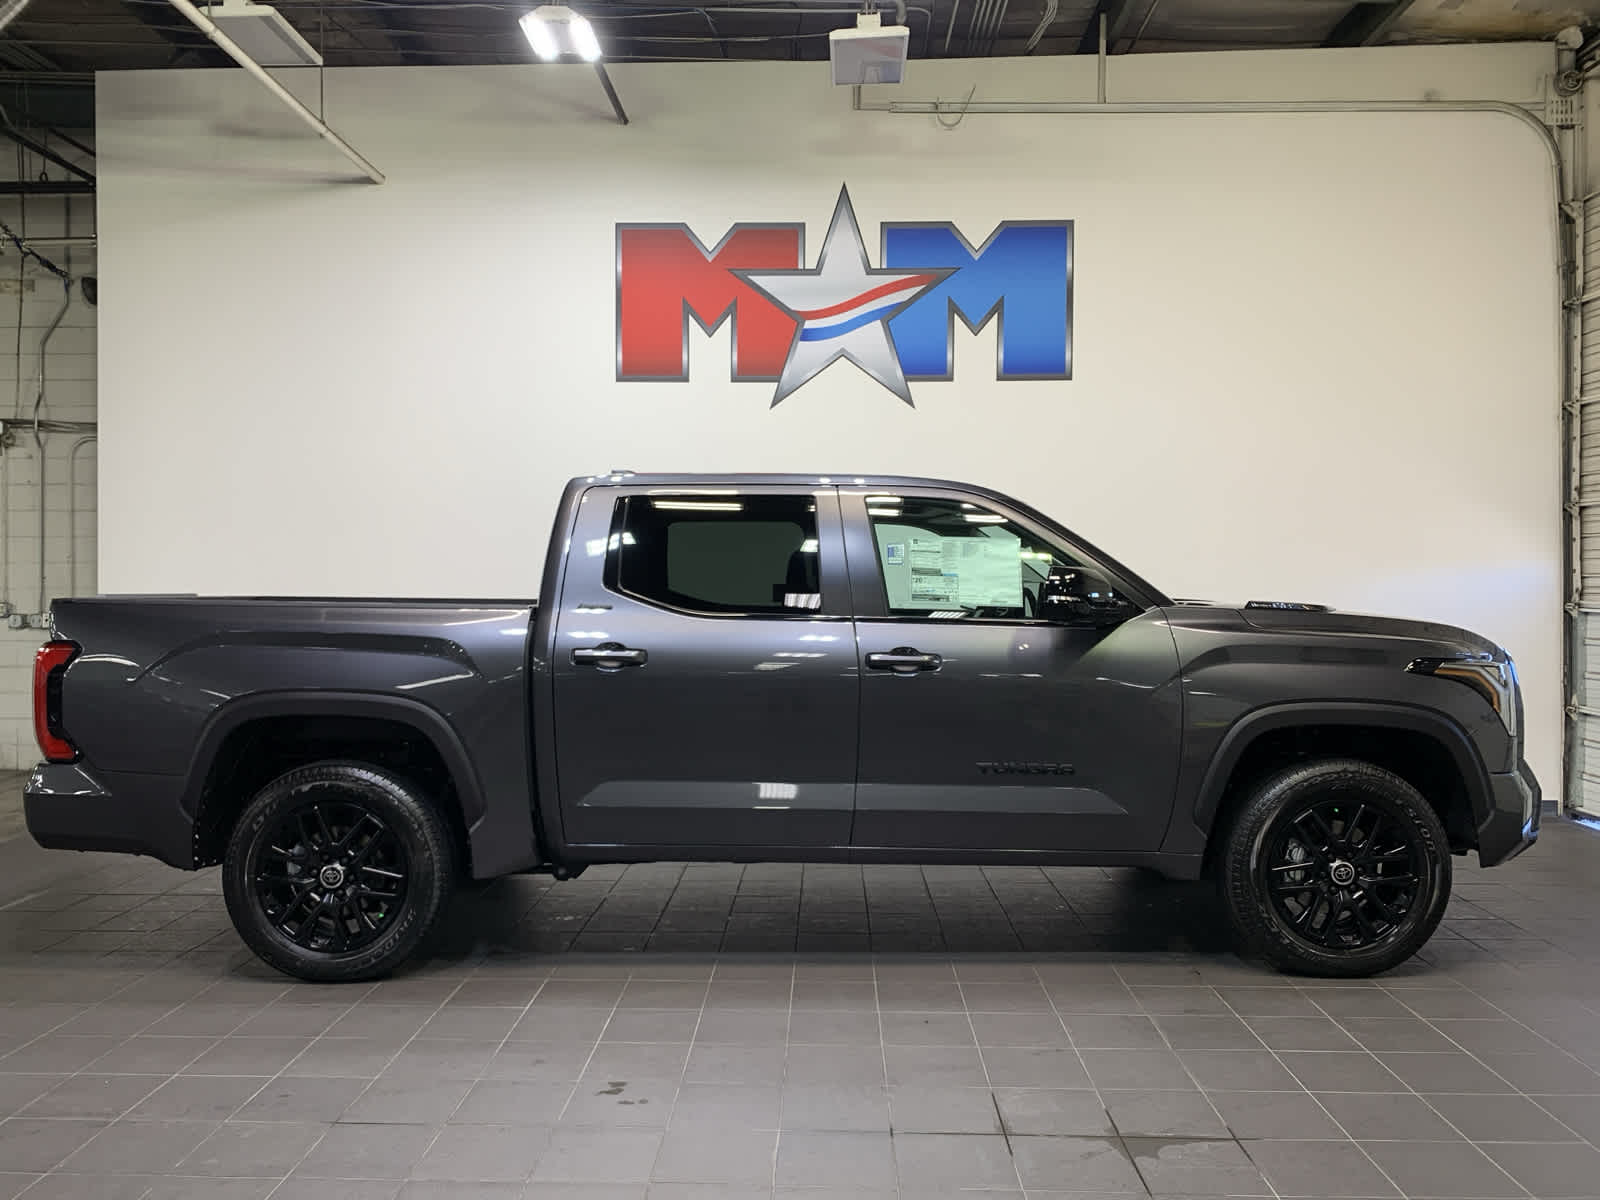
<point x="1024" y="768"/>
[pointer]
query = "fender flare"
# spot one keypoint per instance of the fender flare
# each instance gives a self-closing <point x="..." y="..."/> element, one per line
<point x="235" y="714"/>
<point x="1257" y="722"/>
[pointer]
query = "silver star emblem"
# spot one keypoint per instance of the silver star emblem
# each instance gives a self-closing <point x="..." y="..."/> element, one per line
<point x="842" y="308"/>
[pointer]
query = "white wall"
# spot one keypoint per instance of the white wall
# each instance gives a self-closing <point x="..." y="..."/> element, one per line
<point x="1315" y="356"/>
<point x="69" y="396"/>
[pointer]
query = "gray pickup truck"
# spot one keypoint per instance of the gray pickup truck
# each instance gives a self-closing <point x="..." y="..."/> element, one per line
<point x="784" y="667"/>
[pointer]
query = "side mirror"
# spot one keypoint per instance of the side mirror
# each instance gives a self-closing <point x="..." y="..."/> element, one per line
<point x="1081" y="596"/>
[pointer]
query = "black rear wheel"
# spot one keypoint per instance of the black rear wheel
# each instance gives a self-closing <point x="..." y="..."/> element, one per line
<point x="337" y="871"/>
<point x="1337" y="868"/>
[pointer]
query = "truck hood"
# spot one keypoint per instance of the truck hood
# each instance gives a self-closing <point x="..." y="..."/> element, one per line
<point x="1433" y="637"/>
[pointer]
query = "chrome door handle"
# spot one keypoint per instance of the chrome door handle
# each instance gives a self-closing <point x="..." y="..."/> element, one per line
<point x="904" y="660"/>
<point x="609" y="656"/>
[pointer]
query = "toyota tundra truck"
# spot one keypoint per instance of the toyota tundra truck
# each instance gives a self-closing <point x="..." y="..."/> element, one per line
<point x="797" y="668"/>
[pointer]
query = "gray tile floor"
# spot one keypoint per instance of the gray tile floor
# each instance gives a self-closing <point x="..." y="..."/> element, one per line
<point x="723" y="1033"/>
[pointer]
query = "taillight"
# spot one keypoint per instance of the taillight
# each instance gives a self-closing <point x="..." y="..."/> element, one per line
<point x="49" y="665"/>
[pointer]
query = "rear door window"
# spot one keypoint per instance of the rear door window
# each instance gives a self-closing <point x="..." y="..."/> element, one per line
<point x="734" y="555"/>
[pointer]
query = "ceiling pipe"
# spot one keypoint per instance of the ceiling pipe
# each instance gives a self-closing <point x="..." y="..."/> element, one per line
<point x="1051" y="7"/>
<point x="231" y="48"/>
<point x="46" y="187"/>
<point x="44" y="152"/>
<point x="1100" y="64"/>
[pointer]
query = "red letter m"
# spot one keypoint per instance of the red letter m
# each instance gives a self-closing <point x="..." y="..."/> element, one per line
<point x="665" y="276"/>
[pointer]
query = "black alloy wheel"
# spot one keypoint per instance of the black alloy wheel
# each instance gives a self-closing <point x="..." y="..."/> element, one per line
<point x="330" y="875"/>
<point x="338" y="871"/>
<point x="1339" y="872"/>
<point x="1335" y="867"/>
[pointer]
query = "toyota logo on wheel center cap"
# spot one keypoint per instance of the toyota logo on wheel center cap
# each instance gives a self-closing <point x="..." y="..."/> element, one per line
<point x="1342" y="873"/>
<point x="331" y="876"/>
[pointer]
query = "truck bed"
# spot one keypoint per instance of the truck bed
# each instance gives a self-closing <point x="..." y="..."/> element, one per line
<point x="162" y="682"/>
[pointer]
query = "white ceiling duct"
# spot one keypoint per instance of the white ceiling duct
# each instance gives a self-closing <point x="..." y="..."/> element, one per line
<point x="264" y="34"/>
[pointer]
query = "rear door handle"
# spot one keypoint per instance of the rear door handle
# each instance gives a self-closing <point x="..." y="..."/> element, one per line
<point x="609" y="656"/>
<point x="904" y="660"/>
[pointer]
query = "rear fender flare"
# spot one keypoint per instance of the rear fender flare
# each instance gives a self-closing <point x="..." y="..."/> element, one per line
<point x="236" y="714"/>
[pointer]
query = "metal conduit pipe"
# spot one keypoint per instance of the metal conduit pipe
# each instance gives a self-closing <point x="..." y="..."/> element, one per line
<point x="1567" y="249"/>
<point x="1573" y="632"/>
<point x="231" y="48"/>
<point x="1182" y="107"/>
<point x="72" y="510"/>
<point x="1520" y="113"/>
<point x="997" y="16"/>
<point x="1100" y="64"/>
<point x="6" y="468"/>
<point x="1051" y="7"/>
<point x="975" y="22"/>
<point x="38" y="434"/>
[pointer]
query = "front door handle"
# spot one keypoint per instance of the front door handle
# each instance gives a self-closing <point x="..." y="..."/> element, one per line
<point x="904" y="660"/>
<point x="609" y="656"/>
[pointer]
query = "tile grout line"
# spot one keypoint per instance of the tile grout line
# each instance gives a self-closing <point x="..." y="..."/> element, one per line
<point x="249" y="1099"/>
<point x="387" y="1064"/>
<point x="683" y="1072"/>
<point x="173" y="1075"/>
<point x="883" y="1056"/>
<point x="1372" y="1055"/>
<point x="593" y="1050"/>
<point x="1095" y="1086"/>
<point x="1278" y="1058"/>
<point x="1173" y="1050"/>
<point x="487" y="1062"/>
<point x="988" y="1080"/>
<point x="1396" y="994"/>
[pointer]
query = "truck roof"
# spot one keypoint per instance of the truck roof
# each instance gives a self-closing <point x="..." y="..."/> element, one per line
<point x="821" y="479"/>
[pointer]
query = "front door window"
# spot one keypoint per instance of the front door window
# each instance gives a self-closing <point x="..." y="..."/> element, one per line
<point x="946" y="559"/>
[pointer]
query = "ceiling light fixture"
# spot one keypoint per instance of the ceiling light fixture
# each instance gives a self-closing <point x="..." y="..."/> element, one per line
<point x="554" y="29"/>
<point x="872" y="52"/>
<point x="263" y="33"/>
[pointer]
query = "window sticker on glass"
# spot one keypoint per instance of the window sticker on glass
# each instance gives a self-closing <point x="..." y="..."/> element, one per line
<point x="950" y="558"/>
<point x="990" y="570"/>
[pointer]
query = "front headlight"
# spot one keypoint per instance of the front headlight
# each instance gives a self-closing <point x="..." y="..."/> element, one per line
<point x="1494" y="680"/>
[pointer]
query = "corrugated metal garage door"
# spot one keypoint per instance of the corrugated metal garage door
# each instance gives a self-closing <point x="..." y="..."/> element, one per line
<point x="1584" y="792"/>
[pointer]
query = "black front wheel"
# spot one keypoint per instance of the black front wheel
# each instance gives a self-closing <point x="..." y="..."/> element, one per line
<point x="337" y="871"/>
<point x="1335" y="868"/>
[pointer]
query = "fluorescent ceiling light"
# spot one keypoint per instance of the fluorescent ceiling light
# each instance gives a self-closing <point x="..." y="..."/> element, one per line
<point x="554" y="29"/>
<point x="583" y="39"/>
<point x="263" y="33"/>
<point x="700" y="505"/>
<point x="541" y="37"/>
<point x="10" y="10"/>
<point x="872" y="52"/>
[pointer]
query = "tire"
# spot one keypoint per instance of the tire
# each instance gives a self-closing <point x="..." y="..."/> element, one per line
<point x="337" y="871"/>
<point x="1314" y="870"/>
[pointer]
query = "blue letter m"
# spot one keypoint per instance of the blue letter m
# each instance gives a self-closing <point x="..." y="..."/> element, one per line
<point x="1023" y="273"/>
